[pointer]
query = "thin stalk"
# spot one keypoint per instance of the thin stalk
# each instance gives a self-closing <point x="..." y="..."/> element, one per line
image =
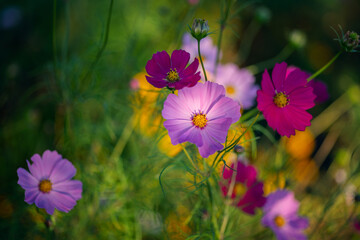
<point x="190" y="159"/>
<point x="223" y="21"/>
<point x="201" y="61"/>
<point x="98" y="56"/>
<point x="324" y="67"/>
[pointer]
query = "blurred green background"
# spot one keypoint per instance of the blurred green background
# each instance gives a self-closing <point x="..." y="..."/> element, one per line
<point x="82" y="110"/>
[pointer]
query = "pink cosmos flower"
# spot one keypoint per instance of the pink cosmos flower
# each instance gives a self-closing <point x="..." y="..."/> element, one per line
<point x="247" y="191"/>
<point x="280" y="214"/>
<point x="201" y="115"/>
<point x="284" y="100"/>
<point x="239" y="84"/>
<point x="49" y="183"/>
<point x="319" y="87"/>
<point x="172" y="72"/>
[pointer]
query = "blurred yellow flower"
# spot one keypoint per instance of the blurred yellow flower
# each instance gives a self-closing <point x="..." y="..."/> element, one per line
<point x="301" y="145"/>
<point x="305" y="171"/>
<point x="273" y="183"/>
<point x="176" y="224"/>
<point x="145" y="92"/>
<point x="166" y="147"/>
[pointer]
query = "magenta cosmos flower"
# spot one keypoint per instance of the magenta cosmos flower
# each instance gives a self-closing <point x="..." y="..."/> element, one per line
<point x="201" y="115"/>
<point x="248" y="191"/>
<point x="239" y="84"/>
<point x="284" y="100"/>
<point x="319" y="87"/>
<point x="49" y="183"/>
<point x="172" y="72"/>
<point x="280" y="214"/>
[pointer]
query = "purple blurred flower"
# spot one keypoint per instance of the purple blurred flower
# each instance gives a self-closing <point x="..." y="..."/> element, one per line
<point x="247" y="189"/>
<point x="10" y="17"/>
<point x="201" y="115"/>
<point x="239" y="84"/>
<point x="280" y="214"/>
<point x="166" y="72"/>
<point x="49" y="183"/>
<point x="319" y="87"/>
<point x="208" y="51"/>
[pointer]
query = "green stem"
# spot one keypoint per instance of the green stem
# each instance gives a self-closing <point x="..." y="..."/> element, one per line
<point x="223" y="21"/>
<point x="324" y="67"/>
<point x="54" y="38"/>
<point x="98" y="56"/>
<point x="201" y="61"/>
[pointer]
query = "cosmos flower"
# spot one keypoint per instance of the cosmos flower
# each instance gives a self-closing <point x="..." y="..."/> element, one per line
<point x="239" y="84"/>
<point x="208" y="51"/>
<point x="247" y="191"/>
<point x="172" y="72"/>
<point x="49" y="183"/>
<point x="280" y="214"/>
<point x="201" y="115"/>
<point x="319" y="87"/>
<point x="284" y="100"/>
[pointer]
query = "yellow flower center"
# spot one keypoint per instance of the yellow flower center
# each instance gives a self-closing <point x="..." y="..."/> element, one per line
<point x="281" y="99"/>
<point x="45" y="186"/>
<point x="230" y="90"/>
<point x="172" y="76"/>
<point x="279" y="221"/>
<point x="199" y="120"/>
<point x="239" y="189"/>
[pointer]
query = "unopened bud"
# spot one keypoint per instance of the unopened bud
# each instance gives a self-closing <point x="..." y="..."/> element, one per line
<point x="297" y="38"/>
<point x="199" y="29"/>
<point x="348" y="41"/>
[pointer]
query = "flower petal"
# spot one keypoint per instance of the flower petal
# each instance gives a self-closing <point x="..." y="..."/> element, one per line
<point x="191" y="69"/>
<point x="71" y="187"/>
<point x="26" y="180"/>
<point x="31" y="194"/>
<point x="62" y="171"/>
<point x="49" y="160"/>
<point x="176" y="128"/>
<point x="278" y="76"/>
<point x="163" y="61"/>
<point x="157" y="82"/>
<point x="179" y="60"/>
<point x="302" y="98"/>
<point x="43" y="201"/>
<point x="62" y="202"/>
<point x="210" y="145"/>
<point x="267" y="86"/>
<point x="295" y="79"/>
<point x="153" y="69"/>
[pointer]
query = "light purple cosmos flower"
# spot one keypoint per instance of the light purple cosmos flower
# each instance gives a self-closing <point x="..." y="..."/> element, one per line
<point x="201" y="115"/>
<point x="239" y="84"/>
<point x="280" y="214"/>
<point x="172" y="72"/>
<point x="208" y="51"/>
<point x="49" y="183"/>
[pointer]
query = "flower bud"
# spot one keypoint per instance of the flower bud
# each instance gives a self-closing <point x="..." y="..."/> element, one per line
<point x="297" y="38"/>
<point x="263" y="15"/>
<point x="348" y="41"/>
<point x="199" y="29"/>
<point x="239" y="149"/>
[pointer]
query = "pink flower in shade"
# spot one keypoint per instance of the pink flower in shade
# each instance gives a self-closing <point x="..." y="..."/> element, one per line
<point x="319" y="87"/>
<point x="208" y="51"/>
<point x="201" y="115"/>
<point x="247" y="191"/>
<point x="172" y="72"/>
<point x="49" y="183"/>
<point x="356" y="224"/>
<point x="284" y="100"/>
<point x="239" y="84"/>
<point x="280" y="214"/>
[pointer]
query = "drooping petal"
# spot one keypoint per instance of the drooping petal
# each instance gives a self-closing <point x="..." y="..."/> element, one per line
<point x="62" y="202"/>
<point x="62" y="171"/>
<point x="43" y="201"/>
<point x="26" y="180"/>
<point x="210" y="145"/>
<point x="278" y="76"/>
<point x="179" y="60"/>
<point x="31" y="194"/>
<point x="156" y="82"/>
<point x="71" y="187"/>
